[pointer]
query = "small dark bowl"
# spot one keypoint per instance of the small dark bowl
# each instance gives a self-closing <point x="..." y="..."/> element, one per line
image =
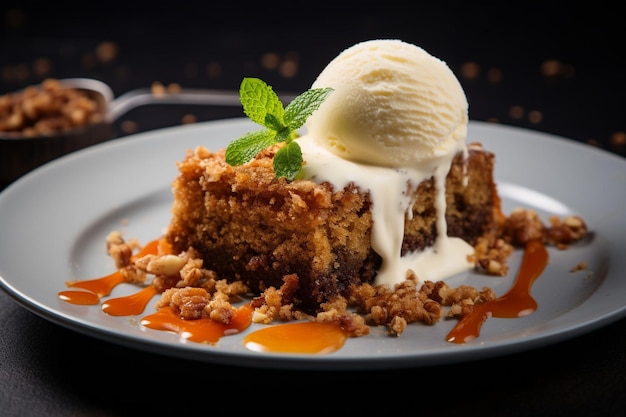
<point x="20" y="154"/>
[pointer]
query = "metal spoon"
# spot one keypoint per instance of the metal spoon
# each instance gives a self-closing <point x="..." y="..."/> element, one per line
<point x="146" y="96"/>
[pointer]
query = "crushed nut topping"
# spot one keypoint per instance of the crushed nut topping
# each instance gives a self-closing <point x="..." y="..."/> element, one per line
<point x="194" y="292"/>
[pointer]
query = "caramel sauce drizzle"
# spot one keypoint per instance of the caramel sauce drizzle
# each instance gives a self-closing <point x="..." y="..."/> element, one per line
<point x="130" y="305"/>
<point x="301" y="337"/>
<point x="104" y="285"/>
<point x="516" y="302"/>
<point x="97" y="288"/>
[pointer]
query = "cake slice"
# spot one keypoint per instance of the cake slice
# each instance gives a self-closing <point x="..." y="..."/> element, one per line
<point x="250" y="226"/>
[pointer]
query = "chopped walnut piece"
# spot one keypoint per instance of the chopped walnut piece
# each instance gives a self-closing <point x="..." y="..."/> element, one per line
<point x="337" y="311"/>
<point x="397" y="325"/>
<point x="461" y="308"/>
<point x="562" y="233"/>
<point x="133" y="275"/>
<point x="230" y="288"/>
<point x="581" y="266"/>
<point x="119" y="250"/>
<point x="405" y="301"/>
<point x="522" y="226"/>
<point x="193" y="303"/>
<point x="491" y="254"/>
<point x="162" y="283"/>
<point x="446" y="295"/>
<point x="188" y="302"/>
<point x="461" y="299"/>
<point x="268" y="306"/>
<point x="220" y="308"/>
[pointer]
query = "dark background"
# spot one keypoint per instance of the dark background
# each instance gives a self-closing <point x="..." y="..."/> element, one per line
<point x="561" y="62"/>
<point x="556" y="68"/>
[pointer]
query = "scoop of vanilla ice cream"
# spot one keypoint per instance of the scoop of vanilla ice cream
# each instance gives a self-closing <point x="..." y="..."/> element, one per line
<point x="394" y="105"/>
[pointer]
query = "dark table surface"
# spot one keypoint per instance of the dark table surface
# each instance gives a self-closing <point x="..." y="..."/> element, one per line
<point x="551" y="69"/>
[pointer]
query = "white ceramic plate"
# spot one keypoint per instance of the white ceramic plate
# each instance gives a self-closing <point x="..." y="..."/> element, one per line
<point x="54" y="222"/>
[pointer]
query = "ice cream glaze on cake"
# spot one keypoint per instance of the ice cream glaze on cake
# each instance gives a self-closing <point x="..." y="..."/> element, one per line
<point x="397" y="116"/>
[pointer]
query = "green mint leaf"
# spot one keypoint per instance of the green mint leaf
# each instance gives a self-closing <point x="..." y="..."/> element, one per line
<point x="285" y="135"/>
<point x="259" y="100"/>
<point x="244" y="149"/>
<point x="288" y="161"/>
<point x="262" y="105"/>
<point x="304" y="105"/>
<point x="272" y="122"/>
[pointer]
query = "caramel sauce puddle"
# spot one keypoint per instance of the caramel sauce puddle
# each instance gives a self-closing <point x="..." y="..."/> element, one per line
<point x="79" y="297"/>
<point x="302" y="337"/>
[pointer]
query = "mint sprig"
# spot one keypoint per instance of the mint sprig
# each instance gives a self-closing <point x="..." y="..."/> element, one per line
<point x="262" y="106"/>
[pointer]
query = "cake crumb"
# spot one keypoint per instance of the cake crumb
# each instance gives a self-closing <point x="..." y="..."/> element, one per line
<point x="580" y="266"/>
